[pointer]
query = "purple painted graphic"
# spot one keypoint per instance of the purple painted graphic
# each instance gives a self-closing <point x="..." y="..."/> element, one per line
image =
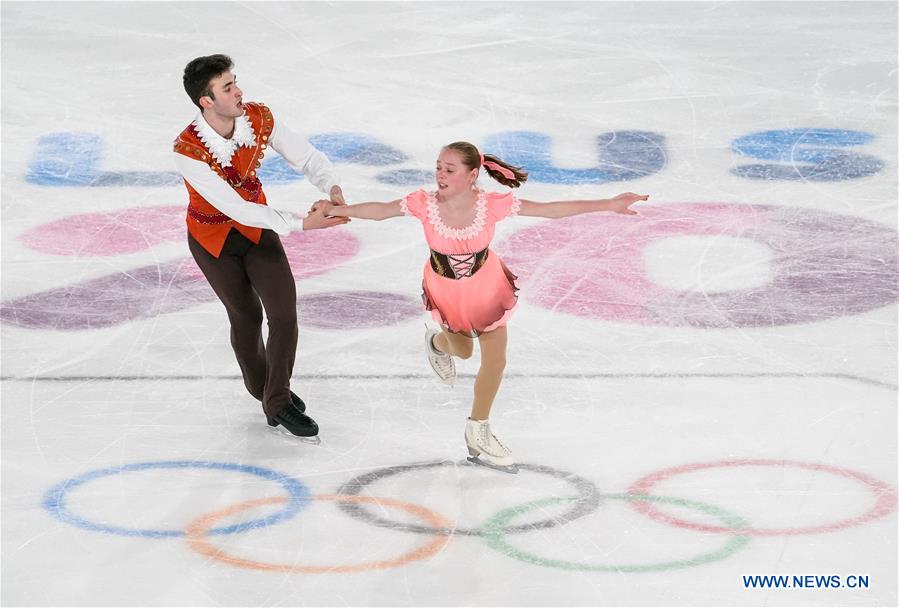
<point x="356" y="309"/>
<point x="823" y="266"/>
<point x="148" y="291"/>
<point x="139" y="293"/>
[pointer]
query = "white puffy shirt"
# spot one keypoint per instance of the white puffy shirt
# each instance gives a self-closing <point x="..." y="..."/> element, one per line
<point x="296" y="150"/>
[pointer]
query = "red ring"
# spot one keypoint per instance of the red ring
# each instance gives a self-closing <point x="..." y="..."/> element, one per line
<point x="885" y="503"/>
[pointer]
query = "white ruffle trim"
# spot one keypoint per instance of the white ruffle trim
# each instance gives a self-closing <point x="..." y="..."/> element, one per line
<point x="223" y="149"/>
<point x="516" y="205"/>
<point x="458" y="234"/>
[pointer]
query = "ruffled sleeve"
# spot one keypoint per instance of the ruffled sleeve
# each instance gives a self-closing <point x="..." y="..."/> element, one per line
<point x="501" y="205"/>
<point x="415" y="204"/>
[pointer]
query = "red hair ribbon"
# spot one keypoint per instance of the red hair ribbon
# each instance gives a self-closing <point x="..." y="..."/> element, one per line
<point x="508" y="173"/>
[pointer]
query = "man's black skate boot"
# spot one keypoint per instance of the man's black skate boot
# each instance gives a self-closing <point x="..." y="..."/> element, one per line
<point x="294" y="420"/>
<point x="297" y="402"/>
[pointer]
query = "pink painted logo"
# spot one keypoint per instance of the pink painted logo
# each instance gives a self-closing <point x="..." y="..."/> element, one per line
<point x="822" y="266"/>
<point x="156" y="289"/>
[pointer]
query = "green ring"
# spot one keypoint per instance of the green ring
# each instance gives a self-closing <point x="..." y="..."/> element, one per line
<point x="493" y="536"/>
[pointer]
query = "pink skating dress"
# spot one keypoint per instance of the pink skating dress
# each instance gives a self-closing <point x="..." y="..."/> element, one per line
<point x="484" y="296"/>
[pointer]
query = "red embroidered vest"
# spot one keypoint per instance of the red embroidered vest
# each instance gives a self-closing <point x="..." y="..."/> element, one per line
<point x="206" y="224"/>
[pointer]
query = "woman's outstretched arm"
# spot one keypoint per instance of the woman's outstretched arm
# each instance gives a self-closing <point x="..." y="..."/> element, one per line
<point x="557" y="209"/>
<point x="365" y="211"/>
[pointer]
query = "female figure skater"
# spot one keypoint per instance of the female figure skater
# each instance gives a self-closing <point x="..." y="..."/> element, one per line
<point x="467" y="288"/>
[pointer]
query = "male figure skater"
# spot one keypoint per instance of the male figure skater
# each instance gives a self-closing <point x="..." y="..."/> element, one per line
<point x="233" y="234"/>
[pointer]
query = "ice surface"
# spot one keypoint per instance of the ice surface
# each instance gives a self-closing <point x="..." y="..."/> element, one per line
<point x="731" y="352"/>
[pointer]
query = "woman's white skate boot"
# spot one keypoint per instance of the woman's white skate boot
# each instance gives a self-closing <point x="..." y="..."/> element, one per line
<point x="442" y="363"/>
<point x="485" y="449"/>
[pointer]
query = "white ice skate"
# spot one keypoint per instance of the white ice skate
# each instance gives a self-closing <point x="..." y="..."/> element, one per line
<point x="485" y="449"/>
<point x="442" y="363"/>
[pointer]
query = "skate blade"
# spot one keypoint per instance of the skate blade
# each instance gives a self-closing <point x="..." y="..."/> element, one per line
<point x="282" y="432"/>
<point x="509" y="468"/>
<point x="447" y="382"/>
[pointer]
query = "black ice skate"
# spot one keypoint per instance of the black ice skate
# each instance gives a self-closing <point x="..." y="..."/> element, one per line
<point x="294" y="422"/>
<point x="297" y="402"/>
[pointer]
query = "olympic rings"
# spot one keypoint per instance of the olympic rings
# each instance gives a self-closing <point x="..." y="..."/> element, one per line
<point x="495" y="537"/>
<point x="54" y="499"/>
<point x="197" y="531"/>
<point x="586" y="502"/>
<point x="885" y="503"/>
<point x="496" y="529"/>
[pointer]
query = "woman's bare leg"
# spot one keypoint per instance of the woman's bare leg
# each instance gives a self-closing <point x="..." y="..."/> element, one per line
<point x="456" y="345"/>
<point x="490" y="375"/>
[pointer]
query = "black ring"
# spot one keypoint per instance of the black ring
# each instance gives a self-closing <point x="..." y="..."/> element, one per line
<point x="587" y="502"/>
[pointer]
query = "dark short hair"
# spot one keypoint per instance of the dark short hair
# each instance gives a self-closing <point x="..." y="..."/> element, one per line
<point x="199" y="72"/>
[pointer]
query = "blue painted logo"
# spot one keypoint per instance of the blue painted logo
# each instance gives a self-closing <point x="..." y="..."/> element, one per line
<point x="814" y="155"/>
<point x="74" y="159"/>
<point x="621" y="156"/>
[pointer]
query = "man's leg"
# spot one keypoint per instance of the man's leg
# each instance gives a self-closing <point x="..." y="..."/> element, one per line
<point x="271" y="277"/>
<point x="229" y="280"/>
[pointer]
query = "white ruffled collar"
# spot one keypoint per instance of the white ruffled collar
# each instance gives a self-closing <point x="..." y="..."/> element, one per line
<point x="223" y="149"/>
<point x="459" y="234"/>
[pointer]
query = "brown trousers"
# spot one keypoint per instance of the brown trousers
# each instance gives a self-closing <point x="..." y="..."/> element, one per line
<point x="248" y="278"/>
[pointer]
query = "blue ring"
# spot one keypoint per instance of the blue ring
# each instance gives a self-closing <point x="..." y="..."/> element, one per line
<point x="54" y="499"/>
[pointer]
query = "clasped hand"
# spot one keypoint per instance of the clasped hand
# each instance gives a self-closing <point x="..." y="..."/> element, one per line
<point x="322" y="205"/>
<point x="318" y="216"/>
